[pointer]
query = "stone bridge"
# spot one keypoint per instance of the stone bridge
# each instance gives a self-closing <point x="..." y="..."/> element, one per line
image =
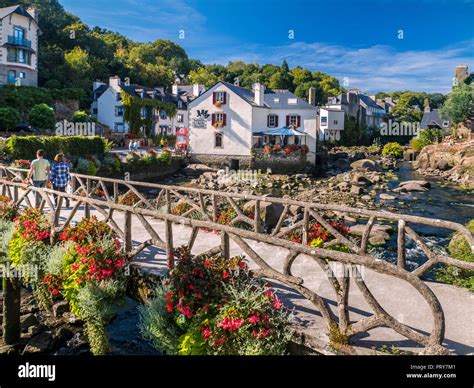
<point x="343" y="301"/>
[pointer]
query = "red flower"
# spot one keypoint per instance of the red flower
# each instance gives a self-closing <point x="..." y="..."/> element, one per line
<point x="253" y="319"/>
<point x="225" y="275"/>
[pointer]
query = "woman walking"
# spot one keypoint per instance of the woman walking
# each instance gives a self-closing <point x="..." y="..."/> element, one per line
<point x="60" y="176"/>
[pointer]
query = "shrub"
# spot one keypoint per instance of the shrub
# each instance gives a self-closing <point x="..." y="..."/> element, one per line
<point x="25" y="147"/>
<point x="210" y="305"/>
<point x="165" y="157"/>
<point x="426" y="137"/>
<point x="460" y="249"/>
<point x="9" y="118"/>
<point x="42" y="116"/>
<point x="8" y="209"/>
<point x="393" y="149"/>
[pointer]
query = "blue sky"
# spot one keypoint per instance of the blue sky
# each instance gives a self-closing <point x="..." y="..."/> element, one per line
<point x="355" y="41"/>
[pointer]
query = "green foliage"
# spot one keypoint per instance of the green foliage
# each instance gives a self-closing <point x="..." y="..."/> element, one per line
<point x="459" y="105"/>
<point x="393" y="149"/>
<point x="42" y="116"/>
<point x="404" y="111"/>
<point x="82" y="117"/>
<point x="355" y="133"/>
<point x="459" y="249"/>
<point x="25" y="147"/>
<point x="9" y="118"/>
<point x="426" y="137"/>
<point x="133" y="107"/>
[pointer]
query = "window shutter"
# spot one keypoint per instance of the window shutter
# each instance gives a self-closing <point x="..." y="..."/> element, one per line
<point x="268" y="121"/>
<point x="287" y="120"/>
<point x="224" y="119"/>
<point x="225" y="100"/>
<point x="276" y="121"/>
<point x="214" y="97"/>
<point x="298" y="121"/>
<point x="213" y="119"/>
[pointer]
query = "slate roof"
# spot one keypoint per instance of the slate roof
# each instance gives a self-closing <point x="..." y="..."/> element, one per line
<point x="369" y="102"/>
<point x="432" y="118"/>
<point x="15" y="9"/>
<point x="269" y="98"/>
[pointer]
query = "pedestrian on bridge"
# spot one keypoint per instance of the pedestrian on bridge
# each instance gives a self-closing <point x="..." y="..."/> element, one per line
<point x="39" y="174"/>
<point x="60" y="176"/>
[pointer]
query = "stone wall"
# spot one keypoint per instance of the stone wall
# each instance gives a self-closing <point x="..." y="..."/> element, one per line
<point x="278" y="164"/>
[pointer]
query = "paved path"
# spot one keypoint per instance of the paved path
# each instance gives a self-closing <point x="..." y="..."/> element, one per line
<point x="396" y="296"/>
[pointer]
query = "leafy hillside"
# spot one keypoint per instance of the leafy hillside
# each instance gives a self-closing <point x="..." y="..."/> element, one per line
<point x="72" y="55"/>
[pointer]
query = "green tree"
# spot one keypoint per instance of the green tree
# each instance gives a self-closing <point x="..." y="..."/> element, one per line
<point x="203" y="76"/>
<point x="459" y="105"/>
<point x="9" y="118"/>
<point x="81" y="116"/>
<point x="403" y="110"/>
<point x="42" y="116"/>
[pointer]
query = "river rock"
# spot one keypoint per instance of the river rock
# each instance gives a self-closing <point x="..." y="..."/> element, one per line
<point x="366" y="164"/>
<point x="356" y="190"/>
<point x="424" y="184"/>
<point x="39" y="343"/>
<point x="28" y="320"/>
<point x="387" y="197"/>
<point x="443" y="165"/>
<point x="411" y="186"/>
<point x="60" y="308"/>
<point x="361" y="180"/>
<point x="358" y="230"/>
<point x="270" y="212"/>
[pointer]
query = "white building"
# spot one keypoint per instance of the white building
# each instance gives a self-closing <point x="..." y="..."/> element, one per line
<point x="226" y="118"/>
<point x="108" y="108"/>
<point x="19" y="32"/>
<point x="330" y="124"/>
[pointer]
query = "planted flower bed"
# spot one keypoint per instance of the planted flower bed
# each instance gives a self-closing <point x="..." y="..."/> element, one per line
<point x="211" y="306"/>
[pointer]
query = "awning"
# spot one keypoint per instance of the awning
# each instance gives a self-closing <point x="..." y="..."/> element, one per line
<point x="285" y="131"/>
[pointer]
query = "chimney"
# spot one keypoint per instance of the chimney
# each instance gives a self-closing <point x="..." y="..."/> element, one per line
<point x="114" y="82"/>
<point x="33" y="11"/>
<point x="197" y="90"/>
<point x="461" y="72"/>
<point x="312" y="96"/>
<point x="174" y="89"/>
<point x="259" y="92"/>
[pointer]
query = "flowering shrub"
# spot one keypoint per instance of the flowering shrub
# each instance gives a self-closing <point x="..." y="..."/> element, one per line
<point x="291" y="148"/>
<point x="22" y="163"/>
<point x="317" y="234"/>
<point x="227" y="214"/>
<point x="165" y="157"/>
<point x="87" y="270"/>
<point x="209" y="305"/>
<point x="129" y="199"/>
<point x="7" y="208"/>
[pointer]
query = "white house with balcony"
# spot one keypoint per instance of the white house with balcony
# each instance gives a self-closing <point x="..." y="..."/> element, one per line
<point x="108" y="108"/>
<point x="228" y="121"/>
<point x="19" y="32"/>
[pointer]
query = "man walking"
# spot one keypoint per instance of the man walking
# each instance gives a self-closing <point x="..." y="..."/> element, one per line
<point x="39" y="174"/>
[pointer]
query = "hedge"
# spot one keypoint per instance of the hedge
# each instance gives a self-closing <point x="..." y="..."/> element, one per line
<point x="25" y="147"/>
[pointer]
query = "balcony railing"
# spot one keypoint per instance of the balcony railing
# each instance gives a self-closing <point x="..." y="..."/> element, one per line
<point x="19" y="41"/>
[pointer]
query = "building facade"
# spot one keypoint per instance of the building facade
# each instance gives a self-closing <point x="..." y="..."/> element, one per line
<point x="107" y="105"/>
<point x="330" y="124"/>
<point x="19" y="33"/>
<point x="225" y="120"/>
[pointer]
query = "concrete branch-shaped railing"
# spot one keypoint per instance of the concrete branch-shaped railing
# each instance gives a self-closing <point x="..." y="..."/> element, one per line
<point x="202" y="214"/>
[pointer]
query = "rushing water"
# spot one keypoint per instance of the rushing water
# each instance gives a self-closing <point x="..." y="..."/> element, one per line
<point x="442" y="201"/>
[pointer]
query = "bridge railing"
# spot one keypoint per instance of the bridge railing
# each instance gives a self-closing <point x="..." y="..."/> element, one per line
<point x="202" y="210"/>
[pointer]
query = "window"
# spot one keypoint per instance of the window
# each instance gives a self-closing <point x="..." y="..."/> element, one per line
<point x="294" y="120"/>
<point x="19" y="34"/>
<point x="220" y="117"/>
<point x="276" y="100"/>
<point x="292" y="101"/>
<point x="179" y="118"/>
<point x="119" y="111"/>
<point x="180" y="104"/>
<point x="11" y="76"/>
<point x="334" y="122"/>
<point x="324" y="120"/>
<point x="272" y="121"/>
<point x="22" y="74"/>
<point x="119" y="127"/>
<point x="220" y="96"/>
<point x="163" y="115"/>
<point x="445" y="123"/>
<point x="118" y="97"/>
<point x="218" y="140"/>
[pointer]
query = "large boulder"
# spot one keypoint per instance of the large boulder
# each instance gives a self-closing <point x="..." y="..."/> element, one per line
<point x="39" y="343"/>
<point x="270" y="212"/>
<point x="367" y="165"/>
<point x="379" y="234"/>
<point x="413" y="186"/>
<point x="360" y="179"/>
